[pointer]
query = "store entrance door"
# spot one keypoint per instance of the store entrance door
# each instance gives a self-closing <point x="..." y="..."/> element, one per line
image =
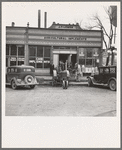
<point x="63" y="57"/>
<point x="73" y="59"/>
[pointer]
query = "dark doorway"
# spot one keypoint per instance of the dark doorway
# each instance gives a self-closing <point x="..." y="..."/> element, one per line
<point x="73" y="59"/>
<point x="63" y="57"/>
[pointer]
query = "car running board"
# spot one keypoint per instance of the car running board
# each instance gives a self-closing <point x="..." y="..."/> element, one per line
<point x="99" y="83"/>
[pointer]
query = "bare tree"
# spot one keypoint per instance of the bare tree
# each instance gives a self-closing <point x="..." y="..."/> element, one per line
<point x="111" y="16"/>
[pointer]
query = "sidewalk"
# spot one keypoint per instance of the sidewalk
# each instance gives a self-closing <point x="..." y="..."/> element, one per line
<point x="47" y="80"/>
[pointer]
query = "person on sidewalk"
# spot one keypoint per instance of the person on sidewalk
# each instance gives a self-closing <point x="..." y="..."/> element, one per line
<point x="51" y="68"/>
<point x="78" y="72"/>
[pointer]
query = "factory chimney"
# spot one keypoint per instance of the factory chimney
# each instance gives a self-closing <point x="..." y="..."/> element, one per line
<point x="39" y="19"/>
<point x="45" y="21"/>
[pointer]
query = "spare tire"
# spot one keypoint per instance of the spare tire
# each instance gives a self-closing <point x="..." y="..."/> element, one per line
<point x="29" y="79"/>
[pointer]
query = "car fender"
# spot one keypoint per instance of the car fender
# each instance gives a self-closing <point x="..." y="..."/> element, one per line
<point x="112" y="78"/>
<point x="14" y="80"/>
<point x="90" y="78"/>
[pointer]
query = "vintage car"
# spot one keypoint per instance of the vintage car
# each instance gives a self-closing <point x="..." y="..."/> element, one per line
<point x="21" y="76"/>
<point x="105" y="76"/>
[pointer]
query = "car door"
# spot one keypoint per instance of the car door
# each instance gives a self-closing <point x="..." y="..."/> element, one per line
<point x="10" y="74"/>
<point x="106" y="74"/>
<point x="99" y="77"/>
<point x="7" y="75"/>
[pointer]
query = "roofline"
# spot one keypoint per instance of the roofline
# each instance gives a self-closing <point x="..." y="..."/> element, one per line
<point x="54" y="29"/>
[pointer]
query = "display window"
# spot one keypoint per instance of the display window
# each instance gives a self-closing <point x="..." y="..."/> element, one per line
<point x="14" y="55"/>
<point x="88" y="56"/>
<point x="39" y="56"/>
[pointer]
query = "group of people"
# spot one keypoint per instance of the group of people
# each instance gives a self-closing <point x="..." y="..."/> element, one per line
<point x="65" y="66"/>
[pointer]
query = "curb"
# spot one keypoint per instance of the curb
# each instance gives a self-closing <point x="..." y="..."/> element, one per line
<point x="70" y="83"/>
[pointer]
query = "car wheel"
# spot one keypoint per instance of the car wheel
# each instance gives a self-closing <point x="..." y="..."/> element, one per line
<point x="112" y="85"/>
<point x="32" y="86"/>
<point x="13" y="85"/>
<point x="29" y="79"/>
<point x="90" y="82"/>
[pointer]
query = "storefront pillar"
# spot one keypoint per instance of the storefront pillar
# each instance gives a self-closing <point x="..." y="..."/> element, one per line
<point x="9" y="59"/>
<point x="100" y="57"/>
<point x="77" y="55"/>
<point x="26" y="55"/>
<point x="51" y="54"/>
<point x="26" y="62"/>
<point x="69" y="58"/>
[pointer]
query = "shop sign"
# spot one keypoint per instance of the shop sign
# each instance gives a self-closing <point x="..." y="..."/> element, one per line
<point x="46" y="61"/>
<point x="39" y="59"/>
<point x="105" y="54"/>
<point x="21" y="59"/>
<point x="31" y="61"/>
<point x="65" y="38"/>
<point x="13" y="58"/>
<point x="81" y="52"/>
<point x="95" y="54"/>
<point x="65" y="27"/>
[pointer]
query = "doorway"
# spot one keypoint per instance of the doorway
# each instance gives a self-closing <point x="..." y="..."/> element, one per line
<point x="73" y="59"/>
<point x="63" y="57"/>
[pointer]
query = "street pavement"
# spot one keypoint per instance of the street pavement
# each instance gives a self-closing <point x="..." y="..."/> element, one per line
<point x="45" y="100"/>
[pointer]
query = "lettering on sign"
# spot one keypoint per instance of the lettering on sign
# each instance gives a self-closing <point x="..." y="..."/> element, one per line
<point x="65" y="38"/>
<point x="13" y="58"/>
<point x="81" y="51"/>
<point x="65" y="27"/>
<point x="31" y="61"/>
<point x="105" y="54"/>
<point x="21" y="59"/>
<point x="39" y="58"/>
<point x="95" y="54"/>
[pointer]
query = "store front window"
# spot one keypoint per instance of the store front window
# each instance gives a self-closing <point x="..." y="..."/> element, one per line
<point x="88" y="56"/>
<point x="14" y="55"/>
<point x="39" y="56"/>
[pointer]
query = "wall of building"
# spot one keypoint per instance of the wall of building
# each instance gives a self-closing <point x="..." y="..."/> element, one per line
<point x="37" y="46"/>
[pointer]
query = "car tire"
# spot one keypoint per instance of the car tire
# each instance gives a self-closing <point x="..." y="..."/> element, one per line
<point x="27" y="78"/>
<point x="112" y="85"/>
<point x="90" y="83"/>
<point x="32" y="86"/>
<point x="13" y="85"/>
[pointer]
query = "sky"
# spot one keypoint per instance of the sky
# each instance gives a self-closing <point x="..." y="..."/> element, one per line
<point x="60" y="12"/>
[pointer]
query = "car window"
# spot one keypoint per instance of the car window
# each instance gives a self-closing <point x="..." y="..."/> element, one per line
<point x="8" y="70"/>
<point x="12" y="70"/>
<point x="112" y="70"/>
<point x="106" y="70"/>
<point x="101" y="70"/>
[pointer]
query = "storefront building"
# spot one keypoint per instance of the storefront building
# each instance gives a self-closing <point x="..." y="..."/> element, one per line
<point x="39" y="47"/>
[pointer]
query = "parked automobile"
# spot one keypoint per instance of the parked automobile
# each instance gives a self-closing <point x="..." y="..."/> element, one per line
<point x="106" y="76"/>
<point x="17" y="76"/>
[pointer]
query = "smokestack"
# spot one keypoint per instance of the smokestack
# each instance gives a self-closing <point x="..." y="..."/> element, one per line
<point x="39" y="19"/>
<point x="12" y="24"/>
<point x="45" y="22"/>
